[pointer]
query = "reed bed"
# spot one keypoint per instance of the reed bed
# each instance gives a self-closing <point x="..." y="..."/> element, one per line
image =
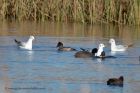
<point x="85" y="11"/>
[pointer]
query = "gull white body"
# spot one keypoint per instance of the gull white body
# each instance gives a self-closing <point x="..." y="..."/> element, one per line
<point x="115" y="47"/>
<point x="100" y="50"/>
<point x="26" y="45"/>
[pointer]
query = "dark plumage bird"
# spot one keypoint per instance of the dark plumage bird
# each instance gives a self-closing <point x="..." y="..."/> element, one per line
<point x="85" y="53"/>
<point x="116" y="81"/>
<point x="62" y="48"/>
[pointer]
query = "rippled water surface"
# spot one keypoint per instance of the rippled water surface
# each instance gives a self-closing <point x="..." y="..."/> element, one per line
<point x="46" y="70"/>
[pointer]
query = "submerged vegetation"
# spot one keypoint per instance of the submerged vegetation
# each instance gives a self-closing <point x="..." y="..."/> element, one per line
<point x="85" y="11"/>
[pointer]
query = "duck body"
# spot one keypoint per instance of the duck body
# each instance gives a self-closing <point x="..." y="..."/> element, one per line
<point x="62" y="48"/>
<point x="66" y="49"/>
<point x="115" y="47"/>
<point x="106" y="57"/>
<point x="25" y="45"/>
<point x="83" y="54"/>
<point x="86" y="54"/>
<point x="115" y="81"/>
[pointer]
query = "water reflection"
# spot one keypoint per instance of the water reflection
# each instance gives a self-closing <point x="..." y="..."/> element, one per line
<point x="85" y="88"/>
<point x="125" y="33"/>
<point x="30" y="55"/>
<point x="5" y="81"/>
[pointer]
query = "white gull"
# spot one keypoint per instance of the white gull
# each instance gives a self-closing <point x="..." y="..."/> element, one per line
<point x="115" y="47"/>
<point x="25" y="45"/>
<point x="100" y="52"/>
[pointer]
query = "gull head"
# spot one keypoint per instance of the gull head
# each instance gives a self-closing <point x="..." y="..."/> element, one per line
<point x="111" y="40"/>
<point x="32" y="37"/>
<point x="101" y="45"/>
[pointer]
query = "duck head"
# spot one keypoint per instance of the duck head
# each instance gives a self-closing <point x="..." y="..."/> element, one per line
<point x="121" y="78"/>
<point x="94" y="50"/>
<point x="59" y="44"/>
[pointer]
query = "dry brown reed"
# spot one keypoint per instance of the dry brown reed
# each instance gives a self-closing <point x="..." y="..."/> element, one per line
<point x="85" y="11"/>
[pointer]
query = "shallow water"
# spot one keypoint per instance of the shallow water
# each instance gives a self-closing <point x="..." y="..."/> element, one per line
<point x="45" y="70"/>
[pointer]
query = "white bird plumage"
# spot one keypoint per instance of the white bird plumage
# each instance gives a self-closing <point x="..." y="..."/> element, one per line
<point x="100" y="50"/>
<point x="25" y="45"/>
<point x="115" y="47"/>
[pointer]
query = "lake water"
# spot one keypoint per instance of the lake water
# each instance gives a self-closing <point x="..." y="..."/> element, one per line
<point x="45" y="70"/>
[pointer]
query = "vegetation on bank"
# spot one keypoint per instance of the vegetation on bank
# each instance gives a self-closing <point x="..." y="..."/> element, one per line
<point x="85" y="11"/>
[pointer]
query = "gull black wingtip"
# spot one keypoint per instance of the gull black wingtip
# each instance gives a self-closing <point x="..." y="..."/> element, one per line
<point x="18" y="42"/>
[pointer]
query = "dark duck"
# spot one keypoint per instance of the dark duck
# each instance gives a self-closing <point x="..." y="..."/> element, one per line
<point x="62" y="48"/>
<point x="85" y="53"/>
<point x="116" y="81"/>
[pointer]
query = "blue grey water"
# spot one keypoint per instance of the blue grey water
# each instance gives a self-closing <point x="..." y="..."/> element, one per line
<point x="46" y="70"/>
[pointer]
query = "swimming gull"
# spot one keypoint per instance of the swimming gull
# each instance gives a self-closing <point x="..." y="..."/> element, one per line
<point x="25" y="45"/>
